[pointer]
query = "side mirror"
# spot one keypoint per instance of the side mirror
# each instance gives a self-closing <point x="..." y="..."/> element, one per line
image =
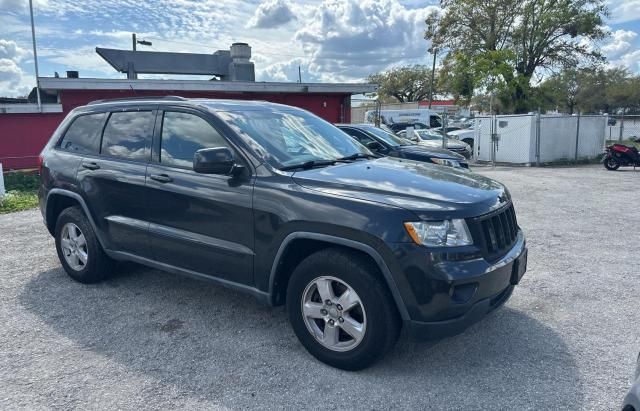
<point x="218" y="160"/>
<point x="374" y="146"/>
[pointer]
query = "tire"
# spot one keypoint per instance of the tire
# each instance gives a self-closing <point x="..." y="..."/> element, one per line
<point x="610" y="163"/>
<point x="375" y="315"/>
<point x="74" y="233"/>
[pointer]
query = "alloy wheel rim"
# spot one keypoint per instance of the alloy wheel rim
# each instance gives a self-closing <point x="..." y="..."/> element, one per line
<point x="74" y="247"/>
<point x="333" y="313"/>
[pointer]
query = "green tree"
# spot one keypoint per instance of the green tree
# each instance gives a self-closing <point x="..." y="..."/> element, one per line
<point x="591" y="90"/>
<point x="623" y="92"/>
<point x="404" y="84"/>
<point x="524" y="36"/>
<point x="561" y="91"/>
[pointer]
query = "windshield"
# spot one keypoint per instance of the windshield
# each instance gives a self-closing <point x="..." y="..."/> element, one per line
<point x="289" y="137"/>
<point x="428" y="135"/>
<point x="387" y="137"/>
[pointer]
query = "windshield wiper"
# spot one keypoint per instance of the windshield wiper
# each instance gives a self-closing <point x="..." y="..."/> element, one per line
<point x="356" y="156"/>
<point x="309" y="164"/>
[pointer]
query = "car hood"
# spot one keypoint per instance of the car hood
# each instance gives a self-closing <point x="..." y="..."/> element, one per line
<point x="429" y="190"/>
<point x="431" y="151"/>
<point x="462" y="133"/>
<point x="451" y="143"/>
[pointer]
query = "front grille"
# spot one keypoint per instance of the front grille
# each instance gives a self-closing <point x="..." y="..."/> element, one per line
<point x="495" y="233"/>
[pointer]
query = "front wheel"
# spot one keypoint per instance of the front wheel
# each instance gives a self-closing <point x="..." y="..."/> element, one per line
<point x="610" y="163"/>
<point x="341" y="311"/>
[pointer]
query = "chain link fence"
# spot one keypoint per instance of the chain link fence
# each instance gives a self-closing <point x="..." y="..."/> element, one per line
<point x="621" y="127"/>
<point x="536" y="139"/>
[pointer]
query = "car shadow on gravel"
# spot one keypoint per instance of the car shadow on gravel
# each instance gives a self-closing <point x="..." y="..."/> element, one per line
<point x="211" y="343"/>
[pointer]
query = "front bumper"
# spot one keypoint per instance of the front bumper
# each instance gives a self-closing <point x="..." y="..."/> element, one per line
<point x="632" y="399"/>
<point x="445" y="297"/>
<point x="434" y="330"/>
<point x="462" y="151"/>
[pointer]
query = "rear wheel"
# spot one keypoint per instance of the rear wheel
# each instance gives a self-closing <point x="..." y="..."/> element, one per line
<point x="78" y="248"/>
<point x="340" y="310"/>
<point x="611" y="163"/>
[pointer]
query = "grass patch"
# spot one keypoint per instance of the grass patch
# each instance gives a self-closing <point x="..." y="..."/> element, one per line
<point x="21" y="192"/>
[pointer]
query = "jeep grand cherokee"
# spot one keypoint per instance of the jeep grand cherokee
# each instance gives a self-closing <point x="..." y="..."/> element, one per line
<point x="275" y="202"/>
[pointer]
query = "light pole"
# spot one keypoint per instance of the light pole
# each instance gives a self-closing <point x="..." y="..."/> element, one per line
<point x="433" y="74"/>
<point x="135" y="41"/>
<point x="35" y="55"/>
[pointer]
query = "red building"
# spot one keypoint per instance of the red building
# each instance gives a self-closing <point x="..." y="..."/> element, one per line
<point x="24" y="129"/>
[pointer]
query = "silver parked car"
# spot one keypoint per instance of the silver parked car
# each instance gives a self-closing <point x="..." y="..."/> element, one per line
<point x="632" y="399"/>
<point x="431" y="138"/>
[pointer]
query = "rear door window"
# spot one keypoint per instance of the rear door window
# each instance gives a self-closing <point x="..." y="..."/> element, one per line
<point x="83" y="136"/>
<point x="128" y="135"/>
<point x="182" y="135"/>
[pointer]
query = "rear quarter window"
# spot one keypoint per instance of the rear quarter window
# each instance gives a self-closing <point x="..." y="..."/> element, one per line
<point x="83" y="136"/>
<point x="128" y="135"/>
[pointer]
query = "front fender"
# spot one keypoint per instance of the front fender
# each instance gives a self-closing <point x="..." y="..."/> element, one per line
<point x="356" y="245"/>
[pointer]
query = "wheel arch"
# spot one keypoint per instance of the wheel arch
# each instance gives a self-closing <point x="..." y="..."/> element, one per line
<point x="58" y="200"/>
<point x="298" y="245"/>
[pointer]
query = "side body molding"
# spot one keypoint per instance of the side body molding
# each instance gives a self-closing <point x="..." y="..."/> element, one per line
<point x="346" y="243"/>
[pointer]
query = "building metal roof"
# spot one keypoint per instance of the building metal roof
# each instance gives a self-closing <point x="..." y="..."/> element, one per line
<point x="53" y="83"/>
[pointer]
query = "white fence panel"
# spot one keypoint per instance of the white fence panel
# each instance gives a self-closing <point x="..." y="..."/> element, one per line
<point x="557" y="138"/>
<point x="516" y="142"/>
<point x="515" y="137"/>
<point x="592" y="132"/>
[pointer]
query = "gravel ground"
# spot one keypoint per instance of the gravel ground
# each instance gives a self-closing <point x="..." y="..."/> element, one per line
<point x="567" y="339"/>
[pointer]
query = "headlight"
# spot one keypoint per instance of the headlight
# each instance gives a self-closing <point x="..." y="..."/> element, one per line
<point x="447" y="233"/>
<point x="446" y="162"/>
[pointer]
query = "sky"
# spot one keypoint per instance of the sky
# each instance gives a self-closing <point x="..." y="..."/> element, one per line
<point x="331" y="40"/>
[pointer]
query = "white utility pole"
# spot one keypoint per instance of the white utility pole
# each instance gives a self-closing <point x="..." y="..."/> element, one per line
<point x="35" y="55"/>
<point x="1" y="183"/>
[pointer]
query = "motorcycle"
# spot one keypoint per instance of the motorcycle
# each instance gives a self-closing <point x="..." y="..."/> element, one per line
<point x="619" y="155"/>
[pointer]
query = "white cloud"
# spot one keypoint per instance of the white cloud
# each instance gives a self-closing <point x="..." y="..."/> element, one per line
<point x="621" y="51"/>
<point x="9" y="71"/>
<point x="630" y="60"/>
<point x="13" y="80"/>
<point x="20" y="6"/>
<point x="624" y="10"/>
<point x="620" y="43"/>
<point x="10" y="50"/>
<point x="81" y="58"/>
<point x="287" y="71"/>
<point x="271" y="14"/>
<point x="350" y="39"/>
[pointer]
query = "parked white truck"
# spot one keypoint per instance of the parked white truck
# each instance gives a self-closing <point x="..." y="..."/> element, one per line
<point x="427" y="117"/>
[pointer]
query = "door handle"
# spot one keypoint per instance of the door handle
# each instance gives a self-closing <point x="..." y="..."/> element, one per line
<point x="161" y="178"/>
<point x="90" y="166"/>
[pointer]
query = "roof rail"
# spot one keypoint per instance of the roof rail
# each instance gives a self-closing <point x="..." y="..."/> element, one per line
<point x="115" y="100"/>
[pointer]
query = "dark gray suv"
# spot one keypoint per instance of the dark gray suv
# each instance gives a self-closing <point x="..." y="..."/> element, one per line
<point x="275" y="202"/>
